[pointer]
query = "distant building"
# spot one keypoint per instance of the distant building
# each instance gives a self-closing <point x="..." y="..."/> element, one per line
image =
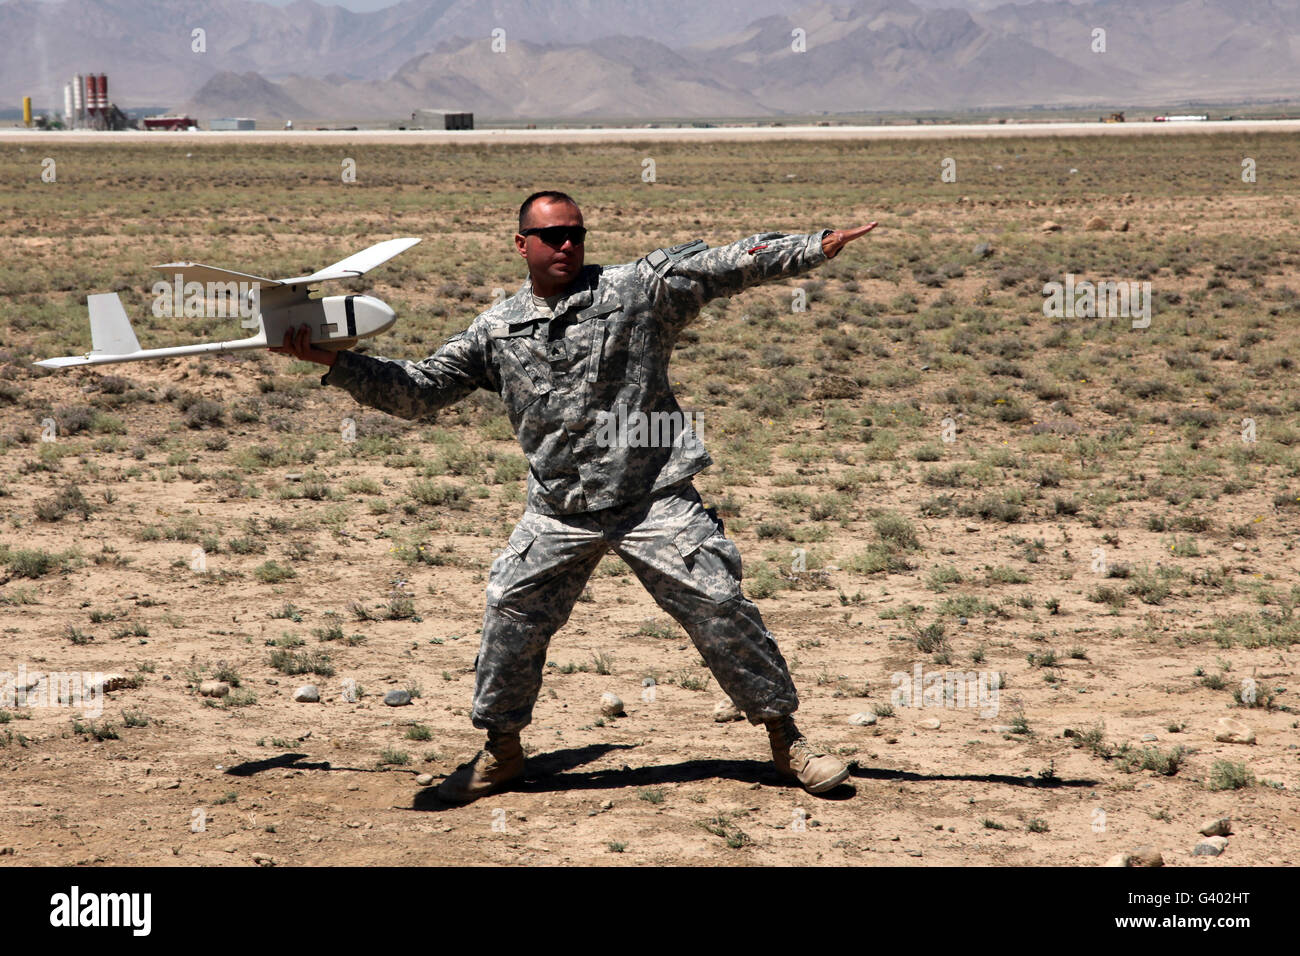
<point x="228" y="123"/>
<point x="169" y="122"/>
<point x="441" y="119"/>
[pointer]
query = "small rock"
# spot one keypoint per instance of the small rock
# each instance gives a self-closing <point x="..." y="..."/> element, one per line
<point x="1220" y="827"/>
<point x="397" y="698"/>
<point x="1211" y="846"/>
<point x="261" y="859"/>
<point x="1121" y="226"/>
<point x="611" y="705"/>
<point x="984" y="250"/>
<point x="961" y="621"/>
<point x="111" y="682"/>
<point x="1230" y="730"/>
<point x="607" y="805"/>
<point x="424" y="779"/>
<point x="307" y="694"/>
<point x="8" y="851"/>
<point x="1050" y="226"/>
<point x="726" y="710"/>
<point x="863" y="719"/>
<point x="214" y="688"/>
<point x="930" y="723"/>
<point x="293" y="476"/>
<point x="1238" y="546"/>
<point x="1149" y="737"/>
<point x="913" y="852"/>
<point x="1097" y="224"/>
<point x="1119" y="859"/>
<point x="1002" y="728"/>
<point x="972" y="528"/>
<point x="1144" y="856"/>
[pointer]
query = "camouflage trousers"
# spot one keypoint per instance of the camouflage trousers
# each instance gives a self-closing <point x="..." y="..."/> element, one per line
<point x="677" y="549"/>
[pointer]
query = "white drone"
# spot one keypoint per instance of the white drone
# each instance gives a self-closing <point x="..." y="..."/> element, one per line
<point x="277" y="305"/>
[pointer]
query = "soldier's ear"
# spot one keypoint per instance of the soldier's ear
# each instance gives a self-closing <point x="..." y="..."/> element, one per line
<point x="521" y="245"/>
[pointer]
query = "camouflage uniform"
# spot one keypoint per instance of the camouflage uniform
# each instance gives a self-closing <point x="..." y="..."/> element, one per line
<point x="602" y="357"/>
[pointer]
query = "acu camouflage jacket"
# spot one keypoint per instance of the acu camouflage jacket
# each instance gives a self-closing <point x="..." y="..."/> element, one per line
<point x="563" y="379"/>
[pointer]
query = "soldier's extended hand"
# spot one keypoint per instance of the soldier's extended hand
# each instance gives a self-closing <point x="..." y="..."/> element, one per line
<point x="838" y="239"/>
<point x="299" y="346"/>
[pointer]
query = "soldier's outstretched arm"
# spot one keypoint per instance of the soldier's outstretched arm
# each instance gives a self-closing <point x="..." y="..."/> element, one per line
<point x="688" y="276"/>
<point x="399" y="387"/>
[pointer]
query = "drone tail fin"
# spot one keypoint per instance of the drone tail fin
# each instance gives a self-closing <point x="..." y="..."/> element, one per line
<point x="110" y="329"/>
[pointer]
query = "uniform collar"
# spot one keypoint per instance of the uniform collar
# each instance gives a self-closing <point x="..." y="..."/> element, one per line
<point x="578" y="295"/>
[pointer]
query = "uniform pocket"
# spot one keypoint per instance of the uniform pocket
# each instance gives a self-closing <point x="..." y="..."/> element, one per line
<point x="712" y="560"/>
<point x="508" y="565"/>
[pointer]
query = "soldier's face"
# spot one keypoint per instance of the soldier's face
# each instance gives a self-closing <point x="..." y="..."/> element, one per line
<point x="551" y="268"/>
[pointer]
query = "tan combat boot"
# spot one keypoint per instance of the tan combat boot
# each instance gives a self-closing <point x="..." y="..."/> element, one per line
<point x="499" y="762"/>
<point x="796" y="759"/>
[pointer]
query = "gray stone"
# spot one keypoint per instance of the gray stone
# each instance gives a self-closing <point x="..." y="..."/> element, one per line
<point x="397" y="698"/>
<point x="1149" y="737"/>
<point x="424" y="779"/>
<point x="930" y="723"/>
<point x="726" y="711"/>
<point x="1211" y="846"/>
<point x="863" y="719"/>
<point x="611" y="705"/>
<point x="307" y="694"/>
<point x="984" y="250"/>
<point x="214" y="688"/>
<point x="1220" y="827"/>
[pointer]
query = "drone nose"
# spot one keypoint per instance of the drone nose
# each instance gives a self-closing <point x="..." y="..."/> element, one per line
<point x="368" y="316"/>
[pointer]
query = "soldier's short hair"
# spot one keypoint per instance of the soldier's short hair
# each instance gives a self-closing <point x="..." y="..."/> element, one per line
<point x="553" y="195"/>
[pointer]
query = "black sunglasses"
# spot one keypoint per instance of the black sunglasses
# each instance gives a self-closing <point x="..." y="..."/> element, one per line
<point x="555" y="236"/>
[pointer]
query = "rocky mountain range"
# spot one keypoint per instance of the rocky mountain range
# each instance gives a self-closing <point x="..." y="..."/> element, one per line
<point x="631" y="59"/>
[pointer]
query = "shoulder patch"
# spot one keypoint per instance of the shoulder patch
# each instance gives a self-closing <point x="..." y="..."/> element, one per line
<point x="663" y="260"/>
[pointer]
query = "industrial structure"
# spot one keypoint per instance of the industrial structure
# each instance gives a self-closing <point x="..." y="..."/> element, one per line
<point x="86" y="105"/>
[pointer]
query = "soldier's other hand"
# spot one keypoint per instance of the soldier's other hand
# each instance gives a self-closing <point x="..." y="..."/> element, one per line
<point x="298" y="344"/>
<point x="838" y="239"/>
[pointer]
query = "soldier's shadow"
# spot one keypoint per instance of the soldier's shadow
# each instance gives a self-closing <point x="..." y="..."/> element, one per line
<point x="557" y="772"/>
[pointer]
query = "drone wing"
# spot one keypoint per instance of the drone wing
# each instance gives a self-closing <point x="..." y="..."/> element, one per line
<point x="198" y="272"/>
<point x="358" y="263"/>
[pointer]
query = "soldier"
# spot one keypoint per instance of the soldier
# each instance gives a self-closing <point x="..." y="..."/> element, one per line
<point x="580" y="356"/>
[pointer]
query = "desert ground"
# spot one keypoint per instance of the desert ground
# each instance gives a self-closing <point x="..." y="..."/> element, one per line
<point x="1089" y="516"/>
